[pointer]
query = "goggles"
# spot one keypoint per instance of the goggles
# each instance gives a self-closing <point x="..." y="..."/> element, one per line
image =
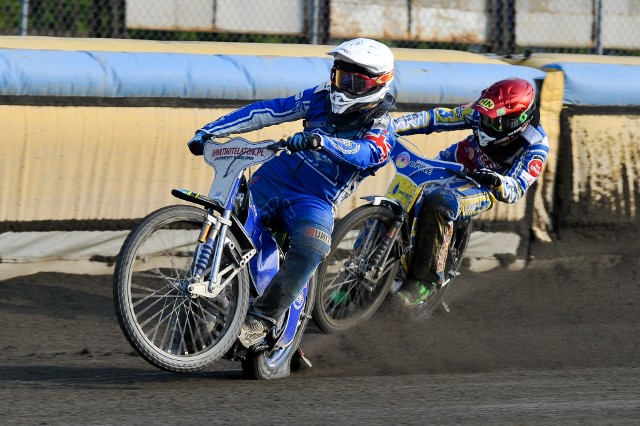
<point x="506" y="124"/>
<point x="357" y="84"/>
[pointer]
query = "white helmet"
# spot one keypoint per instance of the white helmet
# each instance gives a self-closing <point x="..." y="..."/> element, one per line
<point x="361" y="75"/>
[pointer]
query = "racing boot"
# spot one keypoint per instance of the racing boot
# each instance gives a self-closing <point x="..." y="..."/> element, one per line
<point x="254" y="330"/>
<point x="415" y="292"/>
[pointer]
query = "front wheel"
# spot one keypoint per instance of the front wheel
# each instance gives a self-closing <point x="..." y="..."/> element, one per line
<point x="163" y="322"/>
<point x="276" y="363"/>
<point x="346" y="295"/>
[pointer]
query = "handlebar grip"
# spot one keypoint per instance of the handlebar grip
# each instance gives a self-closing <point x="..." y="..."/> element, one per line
<point x="461" y="174"/>
<point x="278" y="146"/>
<point x="315" y="142"/>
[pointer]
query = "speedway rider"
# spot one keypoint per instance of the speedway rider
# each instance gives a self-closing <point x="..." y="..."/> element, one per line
<point x="505" y="153"/>
<point x="348" y="118"/>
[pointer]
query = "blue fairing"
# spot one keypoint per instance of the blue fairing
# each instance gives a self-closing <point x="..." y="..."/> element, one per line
<point x="419" y="168"/>
<point x="295" y="310"/>
<point x="264" y="266"/>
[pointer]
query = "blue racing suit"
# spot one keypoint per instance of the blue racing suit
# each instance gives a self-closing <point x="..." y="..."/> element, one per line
<point x="303" y="190"/>
<point x="454" y="199"/>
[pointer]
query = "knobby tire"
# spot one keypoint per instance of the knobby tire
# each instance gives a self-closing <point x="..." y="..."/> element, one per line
<point x="163" y="323"/>
<point x="344" y="298"/>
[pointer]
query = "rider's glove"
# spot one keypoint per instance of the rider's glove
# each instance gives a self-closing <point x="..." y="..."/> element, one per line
<point x="196" y="144"/>
<point x="487" y="177"/>
<point x="302" y="141"/>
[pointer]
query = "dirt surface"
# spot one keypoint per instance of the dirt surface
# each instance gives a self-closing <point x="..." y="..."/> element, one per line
<point x="557" y="342"/>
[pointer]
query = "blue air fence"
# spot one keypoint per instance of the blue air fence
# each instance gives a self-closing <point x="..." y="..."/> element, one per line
<point x="503" y="27"/>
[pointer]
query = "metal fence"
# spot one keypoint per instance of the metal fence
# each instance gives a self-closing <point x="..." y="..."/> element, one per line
<point x="486" y="26"/>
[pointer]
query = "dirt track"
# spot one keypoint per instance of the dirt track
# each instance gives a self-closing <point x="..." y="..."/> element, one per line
<point x="555" y="343"/>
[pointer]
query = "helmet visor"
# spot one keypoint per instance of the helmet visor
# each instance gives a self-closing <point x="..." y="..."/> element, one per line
<point x="355" y="83"/>
<point x="502" y="124"/>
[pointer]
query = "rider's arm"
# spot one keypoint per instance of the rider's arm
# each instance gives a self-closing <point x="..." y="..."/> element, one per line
<point x="526" y="168"/>
<point x="371" y="151"/>
<point x="436" y="120"/>
<point x="261" y="114"/>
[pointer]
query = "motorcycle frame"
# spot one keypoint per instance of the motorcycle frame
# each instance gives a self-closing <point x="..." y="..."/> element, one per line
<point x="261" y="253"/>
<point x="403" y="195"/>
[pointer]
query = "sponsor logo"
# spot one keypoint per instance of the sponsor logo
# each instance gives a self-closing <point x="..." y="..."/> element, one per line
<point x="528" y="178"/>
<point x="523" y="117"/>
<point x="253" y="152"/>
<point x="346" y="146"/>
<point x="422" y="166"/>
<point x="459" y="111"/>
<point x="299" y="300"/>
<point x="444" y="113"/>
<point x="411" y="117"/>
<point x="442" y="250"/>
<point x="468" y="150"/>
<point x="486" y="103"/>
<point x="317" y="233"/>
<point x="501" y="111"/>
<point x="535" y="166"/>
<point x="399" y="193"/>
<point x="402" y="160"/>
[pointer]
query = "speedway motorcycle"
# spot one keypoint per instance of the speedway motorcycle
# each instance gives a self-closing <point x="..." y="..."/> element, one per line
<point x="372" y="246"/>
<point x="186" y="274"/>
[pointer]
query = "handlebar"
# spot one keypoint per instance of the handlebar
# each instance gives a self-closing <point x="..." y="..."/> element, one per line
<point x="464" y="174"/>
<point x="313" y="144"/>
<point x="280" y="145"/>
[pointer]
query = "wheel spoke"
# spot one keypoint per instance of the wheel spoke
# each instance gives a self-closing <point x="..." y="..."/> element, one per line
<point x="166" y="325"/>
<point x="345" y="295"/>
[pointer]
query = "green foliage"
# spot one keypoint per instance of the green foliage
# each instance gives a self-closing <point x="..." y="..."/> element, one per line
<point x="10" y="17"/>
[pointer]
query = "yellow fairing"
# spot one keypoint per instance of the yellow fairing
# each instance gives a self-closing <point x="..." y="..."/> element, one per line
<point x="404" y="190"/>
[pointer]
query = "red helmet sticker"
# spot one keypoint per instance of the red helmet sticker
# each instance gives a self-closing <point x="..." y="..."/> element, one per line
<point x="535" y="166"/>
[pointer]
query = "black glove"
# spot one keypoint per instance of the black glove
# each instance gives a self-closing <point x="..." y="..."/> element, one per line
<point x="196" y="144"/>
<point x="487" y="177"/>
<point x="302" y="141"/>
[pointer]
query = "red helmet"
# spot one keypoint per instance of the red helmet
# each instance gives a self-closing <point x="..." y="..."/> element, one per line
<point x="505" y="108"/>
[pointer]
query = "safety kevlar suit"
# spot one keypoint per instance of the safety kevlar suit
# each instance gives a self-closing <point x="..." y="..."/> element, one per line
<point x="458" y="198"/>
<point x="301" y="191"/>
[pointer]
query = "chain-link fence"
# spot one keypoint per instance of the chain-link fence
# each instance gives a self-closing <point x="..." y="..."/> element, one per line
<point x="484" y="26"/>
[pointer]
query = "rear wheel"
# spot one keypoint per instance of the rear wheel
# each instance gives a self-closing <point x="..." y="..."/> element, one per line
<point x="457" y="248"/>
<point x="161" y="320"/>
<point x="276" y="363"/>
<point x="345" y="295"/>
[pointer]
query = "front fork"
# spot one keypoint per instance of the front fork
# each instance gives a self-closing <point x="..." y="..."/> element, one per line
<point x="212" y="241"/>
<point x="382" y="250"/>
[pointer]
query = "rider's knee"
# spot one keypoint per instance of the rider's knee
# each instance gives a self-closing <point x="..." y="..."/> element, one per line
<point x="442" y="201"/>
<point x="313" y="241"/>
